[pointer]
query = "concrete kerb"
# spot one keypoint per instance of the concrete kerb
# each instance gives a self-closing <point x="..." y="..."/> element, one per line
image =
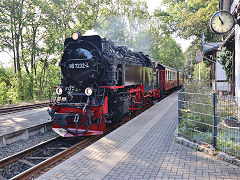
<point x="209" y="150"/>
<point x="24" y="133"/>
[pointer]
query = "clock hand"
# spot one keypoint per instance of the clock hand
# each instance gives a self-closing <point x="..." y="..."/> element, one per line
<point x="220" y="19"/>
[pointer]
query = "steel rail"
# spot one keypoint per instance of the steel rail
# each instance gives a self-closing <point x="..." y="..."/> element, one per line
<point x="19" y="155"/>
<point x="21" y="108"/>
<point x="58" y="157"/>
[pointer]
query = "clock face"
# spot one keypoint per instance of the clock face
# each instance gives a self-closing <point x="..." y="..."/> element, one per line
<point x="222" y="22"/>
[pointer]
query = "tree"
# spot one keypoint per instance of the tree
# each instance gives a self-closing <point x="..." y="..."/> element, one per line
<point x="189" y="18"/>
<point x="161" y="47"/>
<point x="4" y="77"/>
<point x="204" y="72"/>
<point x="121" y="21"/>
<point x="12" y="23"/>
<point x="190" y="60"/>
<point x="128" y="23"/>
<point x="33" y="31"/>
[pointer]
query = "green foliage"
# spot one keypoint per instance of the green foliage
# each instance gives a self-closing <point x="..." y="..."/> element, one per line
<point x="196" y="111"/>
<point x="4" y="77"/>
<point x="202" y="87"/>
<point x="229" y="141"/>
<point x="36" y="42"/>
<point x="189" y="18"/>
<point x="20" y="90"/>
<point x="3" y="93"/>
<point x="204" y="72"/>
<point x="34" y="33"/>
<point x="121" y="21"/>
<point x="196" y="116"/>
<point x="162" y="48"/>
<point x="189" y="62"/>
<point x="128" y="23"/>
<point x="226" y="62"/>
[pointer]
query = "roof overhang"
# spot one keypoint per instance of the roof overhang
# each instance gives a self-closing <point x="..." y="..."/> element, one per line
<point x="229" y="40"/>
<point x="209" y="48"/>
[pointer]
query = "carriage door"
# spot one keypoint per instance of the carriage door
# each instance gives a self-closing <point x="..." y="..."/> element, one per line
<point x="161" y="79"/>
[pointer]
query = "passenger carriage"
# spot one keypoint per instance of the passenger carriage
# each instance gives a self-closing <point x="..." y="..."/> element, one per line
<point x="168" y="78"/>
<point x="180" y="78"/>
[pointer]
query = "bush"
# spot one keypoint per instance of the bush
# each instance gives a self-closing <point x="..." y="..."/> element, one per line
<point x="3" y="93"/>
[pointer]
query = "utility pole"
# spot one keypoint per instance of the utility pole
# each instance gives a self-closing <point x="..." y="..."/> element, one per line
<point x="199" y="59"/>
<point x="199" y="72"/>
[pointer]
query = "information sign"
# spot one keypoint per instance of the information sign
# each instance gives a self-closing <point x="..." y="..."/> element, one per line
<point x="199" y="56"/>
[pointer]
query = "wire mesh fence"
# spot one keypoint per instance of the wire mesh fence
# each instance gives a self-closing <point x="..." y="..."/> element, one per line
<point x="210" y="118"/>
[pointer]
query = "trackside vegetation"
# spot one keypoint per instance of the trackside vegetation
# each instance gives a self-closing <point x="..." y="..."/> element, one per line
<point x="33" y="31"/>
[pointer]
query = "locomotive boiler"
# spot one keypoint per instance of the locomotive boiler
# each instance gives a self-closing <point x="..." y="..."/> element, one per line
<point x="101" y="82"/>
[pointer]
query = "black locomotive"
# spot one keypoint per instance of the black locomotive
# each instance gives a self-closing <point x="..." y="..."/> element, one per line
<point x="101" y="82"/>
<point x="90" y="61"/>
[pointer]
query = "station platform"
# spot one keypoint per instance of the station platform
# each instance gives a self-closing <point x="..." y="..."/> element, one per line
<point x="22" y="125"/>
<point x="143" y="148"/>
<point x="22" y="120"/>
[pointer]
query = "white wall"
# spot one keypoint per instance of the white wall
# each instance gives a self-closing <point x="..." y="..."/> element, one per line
<point x="220" y="72"/>
<point x="237" y="60"/>
<point x="221" y="75"/>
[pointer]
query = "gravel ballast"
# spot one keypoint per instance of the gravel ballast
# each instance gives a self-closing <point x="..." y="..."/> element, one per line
<point x="21" y="145"/>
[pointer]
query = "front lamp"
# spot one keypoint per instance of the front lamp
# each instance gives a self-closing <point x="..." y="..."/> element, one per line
<point x="76" y="35"/>
<point x="59" y="91"/>
<point x="88" y="91"/>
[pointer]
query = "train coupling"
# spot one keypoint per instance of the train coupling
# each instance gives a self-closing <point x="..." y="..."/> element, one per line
<point x="108" y="121"/>
<point x="76" y="118"/>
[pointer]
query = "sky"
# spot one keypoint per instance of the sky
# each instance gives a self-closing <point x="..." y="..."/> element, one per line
<point x="152" y="4"/>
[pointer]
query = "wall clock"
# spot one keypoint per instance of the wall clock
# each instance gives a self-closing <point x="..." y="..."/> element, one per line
<point x="222" y="22"/>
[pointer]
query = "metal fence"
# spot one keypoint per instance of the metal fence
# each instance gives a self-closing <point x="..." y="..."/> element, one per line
<point x="210" y="118"/>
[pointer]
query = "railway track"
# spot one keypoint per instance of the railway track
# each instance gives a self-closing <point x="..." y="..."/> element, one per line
<point x="9" y="110"/>
<point x="25" y="164"/>
<point x="34" y="161"/>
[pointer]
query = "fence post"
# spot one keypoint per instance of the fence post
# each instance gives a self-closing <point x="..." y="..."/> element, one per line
<point x="180" y="105"/>
<point x="214" y="122"/>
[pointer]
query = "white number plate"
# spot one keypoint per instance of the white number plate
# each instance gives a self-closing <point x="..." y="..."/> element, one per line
<point x="78" y="65"/>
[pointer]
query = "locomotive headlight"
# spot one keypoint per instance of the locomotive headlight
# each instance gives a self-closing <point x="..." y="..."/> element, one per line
<point x="76" y="35"/>
<point x="88" y="91"/>
<point x="59" y="91"/>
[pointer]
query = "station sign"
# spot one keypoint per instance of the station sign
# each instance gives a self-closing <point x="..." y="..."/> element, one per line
<point x="199" y="56"/>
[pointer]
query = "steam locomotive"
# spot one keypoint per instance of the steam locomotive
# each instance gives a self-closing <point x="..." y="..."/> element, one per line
<point x="101" y="82"/>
